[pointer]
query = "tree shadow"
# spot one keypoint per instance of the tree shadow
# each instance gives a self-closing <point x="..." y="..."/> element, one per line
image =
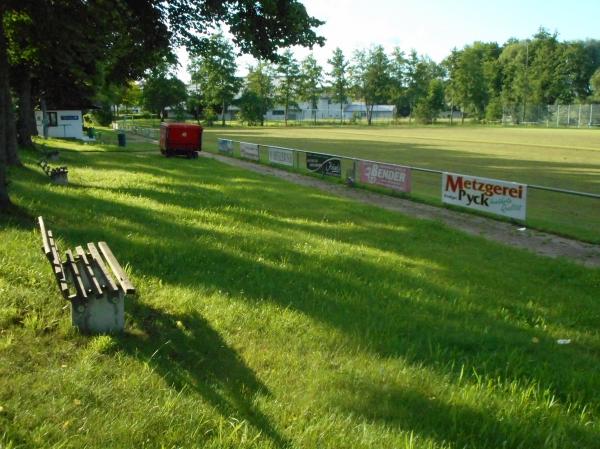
<point x="190" y="355"/>
<point x="456" y="423"/>
<point x="409" y="310"/>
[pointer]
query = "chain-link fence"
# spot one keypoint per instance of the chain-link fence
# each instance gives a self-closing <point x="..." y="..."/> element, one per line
<point x="556" y="115"/>
<point x="149" y="133"/>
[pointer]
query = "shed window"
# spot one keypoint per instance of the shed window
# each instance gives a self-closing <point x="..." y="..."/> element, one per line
<point x="52" y="119"/>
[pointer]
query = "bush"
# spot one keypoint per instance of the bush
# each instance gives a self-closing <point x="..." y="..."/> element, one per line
<point x="251" y="111"/>
<point x="493" y="112"/>
<point x="103" y="116"/>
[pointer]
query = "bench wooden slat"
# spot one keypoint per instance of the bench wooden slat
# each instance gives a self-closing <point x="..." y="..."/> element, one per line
<point x="49" y="247"/>
<point x="77" y="280"/>
<point x="95" y="286"/>
<point x="45" y="242"/>
<point x="108" y="282"/>
<point x="126" y="284"/>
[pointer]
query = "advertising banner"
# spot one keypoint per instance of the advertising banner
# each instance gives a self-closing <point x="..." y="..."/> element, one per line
<point x="225" y="146"/>
<point x="281" y="156"/>
<point x="508" y="199"/>
<point x="384" y="175"/>
<point x="323" y="163"/>
<point x="249" y="151"/>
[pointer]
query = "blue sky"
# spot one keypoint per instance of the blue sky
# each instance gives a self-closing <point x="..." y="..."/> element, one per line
<point x="434" y="27"/>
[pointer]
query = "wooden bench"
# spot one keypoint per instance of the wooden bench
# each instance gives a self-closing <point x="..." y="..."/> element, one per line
<point x="58" y="175"/>
<point x="97" y="294"/>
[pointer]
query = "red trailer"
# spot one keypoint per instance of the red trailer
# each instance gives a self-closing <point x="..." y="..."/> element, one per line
<point x="180" y="138"/>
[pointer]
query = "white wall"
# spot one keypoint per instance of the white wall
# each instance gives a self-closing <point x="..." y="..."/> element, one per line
<point x="69" y="124"/>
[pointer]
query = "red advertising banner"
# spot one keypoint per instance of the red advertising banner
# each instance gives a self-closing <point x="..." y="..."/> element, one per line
<point x="384" y="175"/>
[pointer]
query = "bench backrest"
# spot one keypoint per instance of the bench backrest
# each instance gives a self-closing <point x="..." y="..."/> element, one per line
<point x="51" y="251"/>
<point x="87" y="272"/>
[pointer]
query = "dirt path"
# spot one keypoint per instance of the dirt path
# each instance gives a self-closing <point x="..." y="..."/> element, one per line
<point x="538" y="242"/>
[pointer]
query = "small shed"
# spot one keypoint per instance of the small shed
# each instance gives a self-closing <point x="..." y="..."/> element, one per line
<point x="62" y="123"/>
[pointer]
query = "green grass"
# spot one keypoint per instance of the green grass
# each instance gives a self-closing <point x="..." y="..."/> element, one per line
<point x="270" y="315"/>
<point x="566" y="159"/>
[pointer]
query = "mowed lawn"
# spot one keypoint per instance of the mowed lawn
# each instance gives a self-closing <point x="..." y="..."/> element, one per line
<point x="271" y="315"/>
<point x="561" y="158"/>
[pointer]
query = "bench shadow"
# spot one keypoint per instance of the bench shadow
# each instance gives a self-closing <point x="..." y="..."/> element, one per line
<point x="190" y="355"/>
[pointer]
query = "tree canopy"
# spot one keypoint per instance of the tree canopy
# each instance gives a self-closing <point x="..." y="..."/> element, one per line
<point x="69" y="51"/>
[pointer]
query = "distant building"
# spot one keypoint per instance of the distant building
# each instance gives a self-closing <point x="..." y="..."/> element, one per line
<point x="329" y="110"/>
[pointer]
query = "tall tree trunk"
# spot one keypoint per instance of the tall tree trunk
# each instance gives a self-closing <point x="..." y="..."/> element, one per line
<point x="4" y="93"/>
<point x="44" y="116"/>
<point x="25" y="121"/>
<point x="9" y="142"/>
<point x="223" y="113"/>
<point x="12" y="157"/>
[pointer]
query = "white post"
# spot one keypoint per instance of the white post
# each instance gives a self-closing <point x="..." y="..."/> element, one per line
<point x="569" y="116"/>
<point x="558" y="115"/>
<point x="579" y="118"/>
<point x="591" y="109"/>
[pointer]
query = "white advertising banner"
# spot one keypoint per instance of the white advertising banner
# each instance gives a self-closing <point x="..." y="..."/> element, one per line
<point x="508" y="199"/>
<point x="281" y="156"/>
<point x="249" y="151"/>
<point x="225" y="146"/>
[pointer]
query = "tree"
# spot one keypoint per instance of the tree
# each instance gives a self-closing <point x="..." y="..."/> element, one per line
<point x="126" y="33"/>
<point x="132" y="96"/>
<point x="288" y="77"/>
<point x="420" y="70"/>
<point x="339" y="79"/>
<point x="214" y="74"/>
<point x="474" y="76"/>
<point x="259" y="81"/>
<point x="372" y="79"/>
<point x="5" y="121"/>
<point x="161" y="90"/>
<point x="595" y="85"/>
<point x="429" y="107"/>
<point x="398" y="82"/>
<point x="311" y="79"/>
<point x="251" y="110"/>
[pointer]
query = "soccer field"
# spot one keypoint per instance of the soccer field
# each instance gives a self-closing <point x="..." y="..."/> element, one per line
<point x="561" y="158"/>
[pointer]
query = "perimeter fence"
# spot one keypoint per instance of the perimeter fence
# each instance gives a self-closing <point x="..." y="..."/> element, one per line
<point x="559" y="210"/>
<point x="553" y="115"/>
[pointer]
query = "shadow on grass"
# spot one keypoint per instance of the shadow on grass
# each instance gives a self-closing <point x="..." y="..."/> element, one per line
<point x="190" y="355"/>
<point x="445" y="305"/>
<point x="457" y="423"/>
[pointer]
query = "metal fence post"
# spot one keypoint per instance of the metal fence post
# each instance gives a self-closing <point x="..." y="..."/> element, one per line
<point x="557" y="115"/>
<point x="579" y="117"/>
<point x="591" y="117"/>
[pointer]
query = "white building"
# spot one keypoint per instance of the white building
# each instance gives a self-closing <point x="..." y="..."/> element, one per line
<point x="61" y="123"/>
<point x="329" y="110"/>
